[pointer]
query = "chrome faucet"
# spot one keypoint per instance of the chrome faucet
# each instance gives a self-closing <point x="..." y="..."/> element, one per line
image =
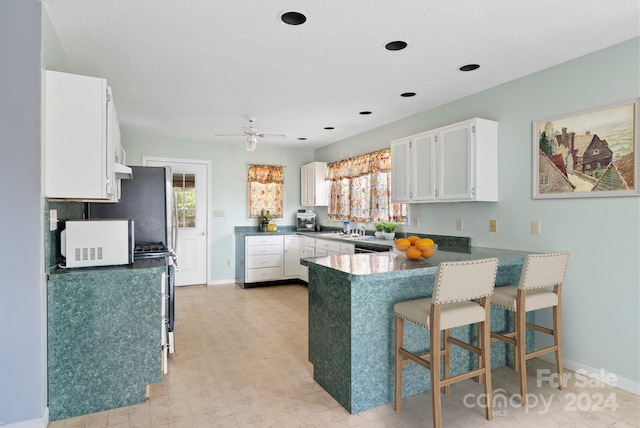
<point x="361" y="230"/>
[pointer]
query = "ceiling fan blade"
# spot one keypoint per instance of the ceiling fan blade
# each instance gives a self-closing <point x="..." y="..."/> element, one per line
<point x="229" y="135"/>
<point x="272" y="136"/>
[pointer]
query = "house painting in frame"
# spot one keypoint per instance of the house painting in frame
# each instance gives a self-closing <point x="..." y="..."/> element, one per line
<point x="587" y="154"/>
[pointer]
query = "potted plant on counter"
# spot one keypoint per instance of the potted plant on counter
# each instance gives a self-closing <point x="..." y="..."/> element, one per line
<point x="389" y="229"/>
<point x="379" y="225"/>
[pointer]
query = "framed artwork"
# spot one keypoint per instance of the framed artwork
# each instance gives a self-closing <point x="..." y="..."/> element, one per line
<point x="592" y="153"/>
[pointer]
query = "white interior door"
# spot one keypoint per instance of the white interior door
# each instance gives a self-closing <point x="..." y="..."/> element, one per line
<point x="190" y="186"/>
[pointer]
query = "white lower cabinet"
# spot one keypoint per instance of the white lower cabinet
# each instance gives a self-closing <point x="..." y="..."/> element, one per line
<point x="263" y="258"/>
<point x="347" y="248"/>
<point x="291" y="257"/>
<point x="307" y="249"/>
<point x="326" y="247"/>
<point x="277" y="257"/>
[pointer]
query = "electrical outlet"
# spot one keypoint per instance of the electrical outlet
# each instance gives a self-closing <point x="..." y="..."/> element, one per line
<point x="228" y="262"/>
<point x="536" y="227"/>
<point x="493" y="225"/>
<point x="459" y="224"/>
<point x="416" y="222"/>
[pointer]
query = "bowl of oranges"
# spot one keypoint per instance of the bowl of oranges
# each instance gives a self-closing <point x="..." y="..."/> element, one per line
<point x="415" y="248"/>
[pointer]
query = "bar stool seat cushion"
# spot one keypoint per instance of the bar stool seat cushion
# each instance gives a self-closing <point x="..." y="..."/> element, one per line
<point x="452" y="314"/>
<point x="537" y="298"/>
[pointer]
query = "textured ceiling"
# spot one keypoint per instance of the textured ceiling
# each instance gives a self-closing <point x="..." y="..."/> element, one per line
<point x="196" y="68"/>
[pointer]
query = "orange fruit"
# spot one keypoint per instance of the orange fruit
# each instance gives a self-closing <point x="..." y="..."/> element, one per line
<point x="413" y="239"/>
<point x="402" y="244"/>
<point x="430" y="251"/>
<point x="413" y="253"/>
<point x="424" y="243"/>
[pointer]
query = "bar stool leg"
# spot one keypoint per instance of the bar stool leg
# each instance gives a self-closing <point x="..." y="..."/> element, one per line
<point x="447" y="359"/>
<point x="435" y="376"/>
<point x="398" y="363"/>
<point x="521" y="344"/>
<point x="557" y="342"/>
<point x="485" y="346"/>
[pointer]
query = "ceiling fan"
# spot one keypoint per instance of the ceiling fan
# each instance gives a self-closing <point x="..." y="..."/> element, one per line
<point x="252" y="135"/>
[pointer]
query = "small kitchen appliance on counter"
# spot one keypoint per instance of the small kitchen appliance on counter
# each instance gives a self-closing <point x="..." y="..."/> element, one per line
<point x="86" y="243"/>
<point x="305" y="221"/>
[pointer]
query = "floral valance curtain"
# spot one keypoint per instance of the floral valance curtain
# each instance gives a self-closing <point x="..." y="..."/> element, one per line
<point x="265" y="188"/>
<point x="357" y="166"/>
<point x="360" y="187"/>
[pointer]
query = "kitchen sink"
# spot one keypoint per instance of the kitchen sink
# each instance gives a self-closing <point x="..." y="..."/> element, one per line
<point x="362" y="238"/>
<point x="340" y="235"/>
<point x="348" y="236"/>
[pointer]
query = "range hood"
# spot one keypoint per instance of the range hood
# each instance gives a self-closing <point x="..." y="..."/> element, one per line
<point x="123" y="172"/>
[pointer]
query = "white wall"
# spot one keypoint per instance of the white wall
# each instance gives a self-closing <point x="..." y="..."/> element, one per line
<point x="23" y="361"/>
<point x="601" y="298"/>
<point x="227" y="184"/>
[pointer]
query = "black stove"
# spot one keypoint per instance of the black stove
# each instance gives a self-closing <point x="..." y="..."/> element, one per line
<point x="148" y="250"/>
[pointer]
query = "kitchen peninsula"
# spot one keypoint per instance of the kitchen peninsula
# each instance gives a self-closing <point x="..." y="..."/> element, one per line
<point x="351" y="327"/>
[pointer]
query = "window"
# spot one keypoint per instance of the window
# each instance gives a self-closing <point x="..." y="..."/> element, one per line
<point x="184" y="185"/>
<point x="361" y="189"/>
<point x="266" y="183"/>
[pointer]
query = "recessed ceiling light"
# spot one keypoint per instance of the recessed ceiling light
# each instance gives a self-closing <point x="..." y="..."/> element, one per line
<point x="469" y="67"/>
<point x="302" y="138"/>
<point x="396" y="45"/>
<point x="293" y="18"/>
<point x="329" y="127"/>
<point x="408" y="94"/>
<point x="365" y="112"/>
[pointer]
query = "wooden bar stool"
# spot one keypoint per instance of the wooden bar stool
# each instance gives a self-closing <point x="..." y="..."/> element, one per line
<point x="539" y="272"/>
<point x="451" y="305"/>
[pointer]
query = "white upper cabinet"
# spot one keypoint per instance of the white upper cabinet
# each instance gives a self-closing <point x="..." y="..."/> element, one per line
<point x="314" y="189"/>
<point x="82" y="139"/>
<point x="413" y="178"/>
<point x="454" y="163"/>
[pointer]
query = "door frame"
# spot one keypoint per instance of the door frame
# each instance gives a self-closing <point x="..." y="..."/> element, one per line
<point x="207" y="164"/>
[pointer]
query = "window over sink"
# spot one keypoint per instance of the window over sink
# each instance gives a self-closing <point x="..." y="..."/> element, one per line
<point x="361" y="189"/>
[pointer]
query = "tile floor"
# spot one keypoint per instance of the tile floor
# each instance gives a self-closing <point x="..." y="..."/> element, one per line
<point x="241" y="361"/>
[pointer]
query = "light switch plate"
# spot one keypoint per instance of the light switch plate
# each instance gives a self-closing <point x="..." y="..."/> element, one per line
<point x="53" y="220"/>
<point x="416" y="222"/>
<point x="493" y="225"/>
<point x="536" y="228"/>
<point x="459" y="224"/>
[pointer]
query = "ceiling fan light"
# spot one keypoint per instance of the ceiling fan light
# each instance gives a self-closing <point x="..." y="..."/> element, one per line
<point x="251" y="143"/>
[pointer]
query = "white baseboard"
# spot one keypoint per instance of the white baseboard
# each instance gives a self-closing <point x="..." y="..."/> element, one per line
<point x="41" y="422"/>
<point x="597" y="373"/>
<point x="222" y="282"/>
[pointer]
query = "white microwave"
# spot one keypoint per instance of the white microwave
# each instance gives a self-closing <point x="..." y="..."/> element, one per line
<point x="86" y="243"/>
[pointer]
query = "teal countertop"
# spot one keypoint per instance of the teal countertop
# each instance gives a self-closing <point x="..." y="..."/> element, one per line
<point x="138" y="264"/>
<point x="389" y="265"/>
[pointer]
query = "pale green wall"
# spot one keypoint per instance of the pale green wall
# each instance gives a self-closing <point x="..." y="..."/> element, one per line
<point x="227" y="184"/>
<point x="601" y="298"/>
